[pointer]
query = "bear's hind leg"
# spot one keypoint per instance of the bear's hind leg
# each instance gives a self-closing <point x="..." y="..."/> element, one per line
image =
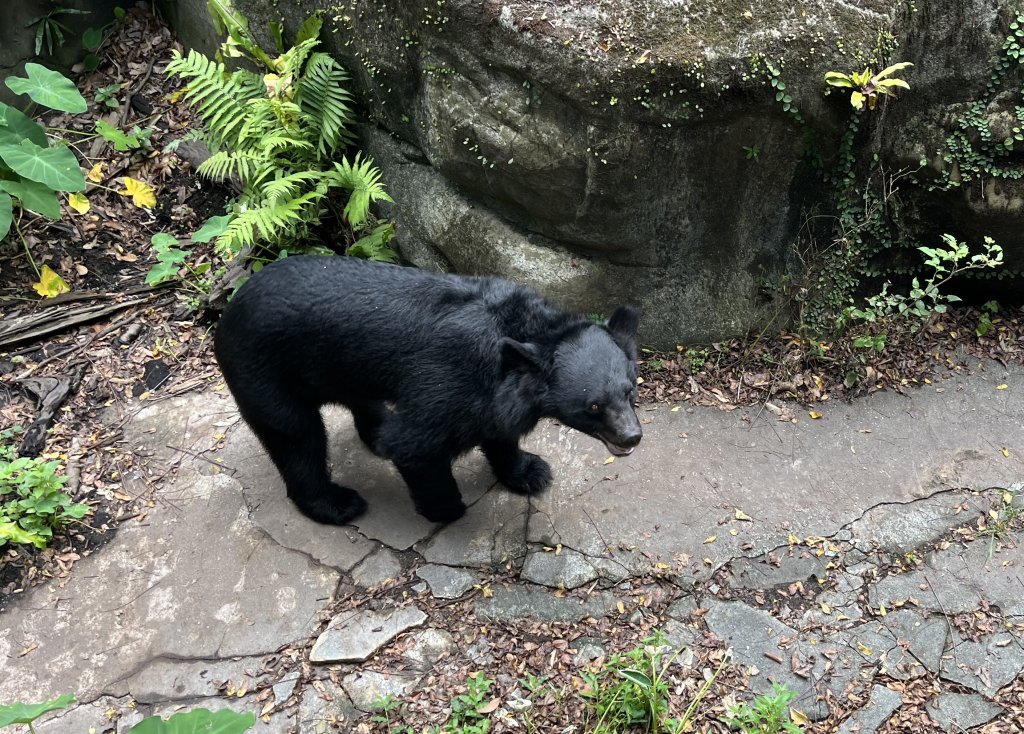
<point x="434" y="491"/>
<point x="368" y="415"/>
<point x="520" y="471"/>
<point x="297" y="444"/>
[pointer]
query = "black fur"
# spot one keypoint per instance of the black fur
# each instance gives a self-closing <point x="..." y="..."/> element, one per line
<point x="430" y="366"/>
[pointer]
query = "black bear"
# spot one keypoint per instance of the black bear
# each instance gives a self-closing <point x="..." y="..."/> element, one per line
<point x="430" y="365"/>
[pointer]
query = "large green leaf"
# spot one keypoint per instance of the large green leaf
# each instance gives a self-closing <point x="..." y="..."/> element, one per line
<point x="35" y="197"/>
<point x="55" y="167"/>
<point x="14" y="123"/>
<point x="197" y="721"/>
<point x="49" y="88"/>
<point x="6" y="215"/>
<point x="23" y="713"/>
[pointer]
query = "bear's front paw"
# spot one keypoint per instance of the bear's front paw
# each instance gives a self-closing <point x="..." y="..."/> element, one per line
<point x="337" y="506"/>
<point x="532" y="475"/>
<point x="446" y="513"/>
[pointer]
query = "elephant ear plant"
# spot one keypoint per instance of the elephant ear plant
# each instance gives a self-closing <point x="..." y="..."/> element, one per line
<point x="34" y="169"/>
<point x="190" y="722"/>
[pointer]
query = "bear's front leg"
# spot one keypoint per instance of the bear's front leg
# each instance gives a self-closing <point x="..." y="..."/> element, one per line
<point x="520" y="471"/>
<point x="434" y="491"/>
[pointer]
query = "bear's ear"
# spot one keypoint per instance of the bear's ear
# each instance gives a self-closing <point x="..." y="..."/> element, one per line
<point x="519" y="355"/>
<point x="623" y="326"/>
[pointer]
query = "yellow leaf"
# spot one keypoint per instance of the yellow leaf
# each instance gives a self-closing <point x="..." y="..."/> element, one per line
<point x="793" y="539"/>
<point x="741" y="515"/>
<point x="50" y="284"/>
<point x="488" y="592"/>
<point x="1006" y="452"/>
<point x="662" y="566"/>
<point x="826" y="608"/>
<point x="78" y="202"/>
<point x="142" y="193"/>
<point x="814" y="414"/>
<point x="881" y="609"/>
<point x="96" y="172"/>
<point x="865" y="650"/>
<point x="710" y="539"/>
<point x="621" y="607"/>
<point x="799" y="717"/>
<point x="675" y="409"/>
<point x="609" y="460"/>
<point x="1001" y="387"/>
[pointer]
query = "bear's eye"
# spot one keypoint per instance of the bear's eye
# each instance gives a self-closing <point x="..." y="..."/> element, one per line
<point x="594" y="408"/>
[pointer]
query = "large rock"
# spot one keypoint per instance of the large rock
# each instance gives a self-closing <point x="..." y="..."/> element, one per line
<point x="615" y="150"/>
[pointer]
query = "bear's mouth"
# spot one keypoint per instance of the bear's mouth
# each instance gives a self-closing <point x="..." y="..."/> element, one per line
<point x="615" y="448"/>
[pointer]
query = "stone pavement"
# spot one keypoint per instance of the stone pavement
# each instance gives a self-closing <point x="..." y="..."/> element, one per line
<point x="833" y="555"/>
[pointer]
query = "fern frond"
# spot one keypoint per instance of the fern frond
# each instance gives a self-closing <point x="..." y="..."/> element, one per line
<point x="292" y="60"/>
<point x="268" y="222"/>
<point x="324" y="101"/>
<point x="225" y="164"/>
<point x="288" y="187"/>
<point x="217" y="95"/>
<point x="362" y="178"/>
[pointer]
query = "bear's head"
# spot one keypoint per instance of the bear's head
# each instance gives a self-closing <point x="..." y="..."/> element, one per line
<point x="590" y="380"/>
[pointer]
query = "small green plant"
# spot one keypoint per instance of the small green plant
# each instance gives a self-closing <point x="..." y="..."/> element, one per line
<point x="985" y="323"/>
<point x="388" y="706"/>
<point x="696" y="358"/>
<point x="1003" y="518"/>
<point x="107" y="96"/>
<point x="924" y="299"/>
<point x="632" y="689"/>
<point x="867" y="85"/>
<point x="135" y="139"/>
<point x="466" y="717"/>
<point x="50" y="31"/>
<point x="281" y="134"/>
<point x="767" y="714"/>
<point x="34" y="169"/>
<point x="189" y="722"/>
<point x="172" y="261"/>
<point x="751" y="152"/>
<point x="33" y="502"/>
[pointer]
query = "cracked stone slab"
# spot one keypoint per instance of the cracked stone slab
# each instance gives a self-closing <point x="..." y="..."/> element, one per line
<point x="446" y="582"/>
<point x="958" y="579"/>
<point x="792" y="566"/>
<point x="984" y="666"/>
<point x="169" y="679"/>
<point x="956" y="712"/>
<point x="196" y="580"/>
<point x="380" y="566"/>
<point x="518" y="602"/>
<point x="325" y="711"/>
<point x="353" y="637"/>
<point x="491" y="533"/>
<point x="900" y="528"/>
<point x="367" y="686"/>
<point x="426" y="647"/>
<point x="882" y="703"/>
<point x="567" y="569"/>
<point x="693" y="469"/>
<point x="904" y="644"/>
<point x="759" y="640"/>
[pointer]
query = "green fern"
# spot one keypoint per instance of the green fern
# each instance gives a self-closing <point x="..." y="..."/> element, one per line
<point x="362" y="178"/>
<point x="322" y="98"/>
<point x="280" y="135"/>
<point x="219" y="97"/>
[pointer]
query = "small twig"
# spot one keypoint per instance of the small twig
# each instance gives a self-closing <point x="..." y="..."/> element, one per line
<point x="74" y="467"/>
